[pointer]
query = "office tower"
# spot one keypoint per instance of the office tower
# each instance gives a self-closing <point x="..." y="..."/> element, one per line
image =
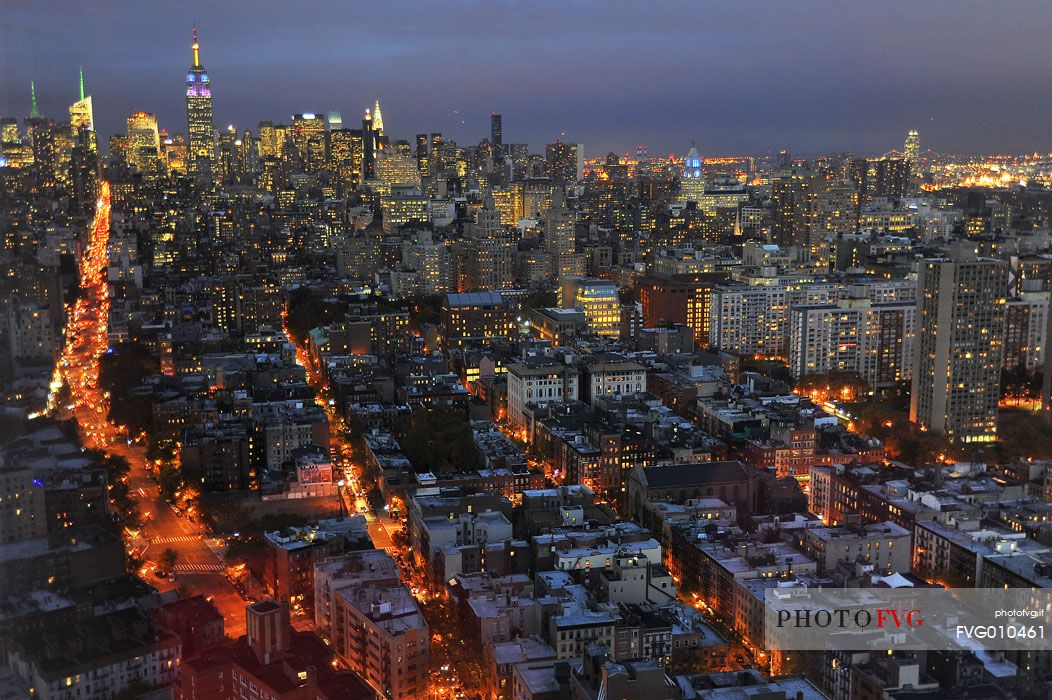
<point x="887" y="176"/>
<point x="496" y="133"/>
<point x="308" y="140"/>
<point x="144" y="142"/>
<point x="959" y="345"/>
<point x="597" y="299"/>
<point x="422" y="162"/>
<point x="369" y="145"/>
<point x="81" y="115"/>
<point x="333" y="120"/>
<point x="84" y="170"/>
<point x="395" y="168"/>
<point x="792" y="200"/>
<point x="692" y="182"/>
<point x="378" y="122"/>
<point x="268" y="140"/>
<point x="911" y="149"/>
<point x="561" y="161"/>
<point x="9" y="131"/>
<point x="345" y="153"/>
<point x="199" y="120"/>
<point x="436" y="157"/>
<point x="785" y="159"/>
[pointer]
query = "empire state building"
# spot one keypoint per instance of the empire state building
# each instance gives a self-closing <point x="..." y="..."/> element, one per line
<point x="200" y="126"/>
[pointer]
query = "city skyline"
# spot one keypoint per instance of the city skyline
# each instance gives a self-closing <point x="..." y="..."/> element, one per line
<point x="853" y="80"/>
<point x="653" y="352"/>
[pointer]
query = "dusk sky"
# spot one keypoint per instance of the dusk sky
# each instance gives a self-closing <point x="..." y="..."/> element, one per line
<point x="734" y="76"/>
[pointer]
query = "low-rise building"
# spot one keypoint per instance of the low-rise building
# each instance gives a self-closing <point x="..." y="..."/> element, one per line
<point x="97" y="658"/>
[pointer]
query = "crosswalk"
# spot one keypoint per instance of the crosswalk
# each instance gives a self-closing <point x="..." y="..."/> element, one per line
<point x="180" y="538"/>
<point x="198" y="568"/>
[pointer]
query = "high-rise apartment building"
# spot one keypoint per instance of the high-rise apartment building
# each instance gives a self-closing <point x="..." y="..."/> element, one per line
<point x="199" y="119"/>
<point x="792" y="206"/>
<point x="959" y="346"/>
<point x="854" y="336"/>
<point x="1026" y="322"/>
<point x="563" y="161"/>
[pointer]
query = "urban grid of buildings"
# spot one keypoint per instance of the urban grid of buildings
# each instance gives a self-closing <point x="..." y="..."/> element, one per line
<point x="309" y="411"/>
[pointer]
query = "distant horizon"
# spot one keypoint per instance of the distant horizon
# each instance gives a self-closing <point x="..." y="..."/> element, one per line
<point x="736" y="78"/>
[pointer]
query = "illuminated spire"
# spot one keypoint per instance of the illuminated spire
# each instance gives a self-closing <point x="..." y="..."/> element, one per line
<point x="197" y="50"/>
<point x="82" y="82"/>
<point x="34" y="110"/>
<point x="378" y="119"/>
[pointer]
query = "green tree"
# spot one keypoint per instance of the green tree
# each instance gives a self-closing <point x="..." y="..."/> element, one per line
<point x="1022" y="434"/>
<point x="440" y="440"/>
<point x="308" y="309"/>
<point x="119" y="372"/>
<point x="169" y="479"/>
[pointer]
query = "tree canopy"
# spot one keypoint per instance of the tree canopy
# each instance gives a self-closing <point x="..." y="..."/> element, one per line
<point x="440" y="441"/>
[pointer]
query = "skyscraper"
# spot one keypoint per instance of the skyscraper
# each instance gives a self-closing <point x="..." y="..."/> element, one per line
<point x="144" y="142"/>
<point x="308" y="138"/>
<point x="959" y="344"/>
<point x="422" y="162"/>
<point x="496" y="132"/>
<point x="199" y="120"/>
<point x="911" y="150"/>
<point x="378" y="119"/>
<point x="561" y="161"/>
<point x="692" y="184"/>
<point x="792" y="206"/>
<point x="345" y="152"/>
<point x="81" y="115"/>
<point x="887" y="176"/>
<point x="369" y="146"/>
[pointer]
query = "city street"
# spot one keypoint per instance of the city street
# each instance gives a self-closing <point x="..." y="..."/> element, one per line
<point x="198" y="569"/>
